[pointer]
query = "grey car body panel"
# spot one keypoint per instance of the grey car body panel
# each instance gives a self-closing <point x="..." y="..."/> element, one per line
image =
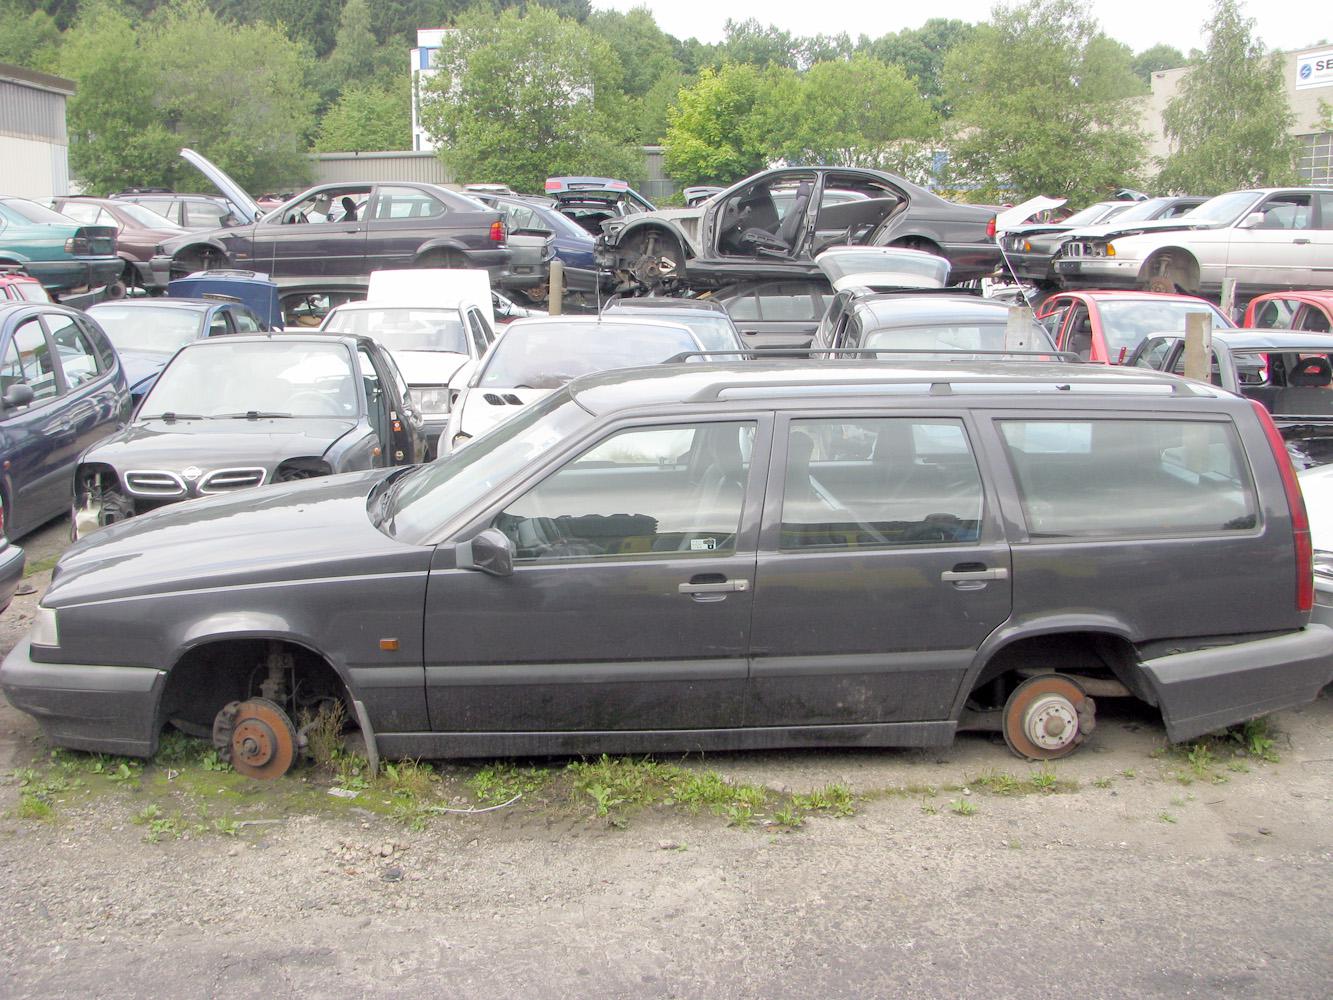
<point x="590" y="656"/>
<point x="12" y="561"/>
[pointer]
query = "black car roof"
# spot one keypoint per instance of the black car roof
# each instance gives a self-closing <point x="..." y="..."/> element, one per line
<point x="777" y="379"/>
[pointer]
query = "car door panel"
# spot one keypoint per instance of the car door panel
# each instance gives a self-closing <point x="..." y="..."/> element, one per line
<point x="613" y="620"/>
<point x="871" y="595"/>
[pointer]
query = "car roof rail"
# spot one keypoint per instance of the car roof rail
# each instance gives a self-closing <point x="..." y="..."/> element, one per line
<point x="824" y="353"/>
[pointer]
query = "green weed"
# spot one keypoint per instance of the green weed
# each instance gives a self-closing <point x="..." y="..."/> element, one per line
<point x="33" y="807"/>
<point x="962" y="807"/>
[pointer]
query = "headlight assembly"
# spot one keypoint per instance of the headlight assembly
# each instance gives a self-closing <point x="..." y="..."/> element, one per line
<point x="433" y="401"/>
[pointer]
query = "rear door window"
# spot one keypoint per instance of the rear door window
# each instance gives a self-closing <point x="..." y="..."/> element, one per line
<point x="205" y="213"/>
<point x="1129" y="478"/>
<point x="745" y="307"/>
<point x="1275" y="314"/>
<point x="77" y="357"/>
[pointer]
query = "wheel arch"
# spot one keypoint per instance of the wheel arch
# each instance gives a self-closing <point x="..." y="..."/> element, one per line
<point x="1180" y="253"/>
<point x="666" y="226"/>
<point x="442" y="245"/>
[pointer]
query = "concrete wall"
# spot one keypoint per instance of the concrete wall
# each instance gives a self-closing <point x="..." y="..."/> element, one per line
<point x="34" y="146"/>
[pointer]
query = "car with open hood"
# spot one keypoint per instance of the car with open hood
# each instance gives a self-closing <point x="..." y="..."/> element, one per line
<point x="232" y="413"/>
<point x="534" y="357"/>
<point x="64" y="255"/>
<point x="1264" y="239"/>
<point x="344" y="230"/>
<point x="772" y="225"/>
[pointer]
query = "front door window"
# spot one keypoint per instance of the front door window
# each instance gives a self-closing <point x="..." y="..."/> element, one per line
<point x="767" y="218"/>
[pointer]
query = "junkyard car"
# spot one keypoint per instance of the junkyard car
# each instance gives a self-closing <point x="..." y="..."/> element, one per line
<point x="1264" y="239"/>
<point x="1290" y="374"/>
<point x="430" y="344"/>
<point x="772" y="225"/>
<point x="139" y="232"/>
<point x="345" y="230"/>
<point x="147" y="332"/>
<point x="571" y="244"/>
<point x="1030" y="251"/>
<point x="593" y="201"/>
<point x="16" y="285"/>
<point x="62" y="388"/>
<point x="919" y="321"/>
<point x="1317" y="488"/>
<point x="1108" y="325"/>
<point x="665" y="560"/>
<point x="777" y="313"/>
<point x="534" y="357"/>
<point x="231" y="413"/>
<point x="194" y="212"/>
<point x="64" y="255"/>
<point x="708" y="319"/>
<point x="1311" y="311"/>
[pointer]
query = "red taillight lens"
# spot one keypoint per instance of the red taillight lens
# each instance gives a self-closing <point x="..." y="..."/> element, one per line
<point x="990" y="227"/>
<point x="497" y="231"/>
<point x="1300" y="520"/>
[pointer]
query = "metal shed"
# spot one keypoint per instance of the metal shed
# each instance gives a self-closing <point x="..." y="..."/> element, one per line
<point x="34" y="145"/>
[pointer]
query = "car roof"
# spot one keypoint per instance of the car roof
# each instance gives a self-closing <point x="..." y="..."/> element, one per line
<point x="666" y="302"/>
<point x="363" y="305"/>
<point x="594" y="322"/>
<point x="893" y="310"/>
<point x="800" y="378"/>
<point x="350" y="341"/>
<point x="1127" y="294"/>
<point x="1323" y="297"/>
<point x="165" y="302"/>
<point x="8" y="307"/>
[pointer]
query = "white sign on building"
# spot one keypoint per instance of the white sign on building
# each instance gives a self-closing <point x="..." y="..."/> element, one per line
<point x="1314" y="69"/>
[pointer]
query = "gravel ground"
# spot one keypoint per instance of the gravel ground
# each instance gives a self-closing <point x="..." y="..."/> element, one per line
<point x="1131" y="886"/>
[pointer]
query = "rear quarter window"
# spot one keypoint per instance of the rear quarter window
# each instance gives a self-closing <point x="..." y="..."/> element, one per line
<point x="1109" y="478"/>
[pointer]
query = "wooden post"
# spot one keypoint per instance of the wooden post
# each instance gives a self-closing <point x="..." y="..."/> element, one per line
<point x="1198" y="346"/>
<point x="1020" y="330"/>
<point x="555" y="303"/>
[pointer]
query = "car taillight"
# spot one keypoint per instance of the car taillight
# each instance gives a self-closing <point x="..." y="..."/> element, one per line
<point x="497" y="231"/>
<point x="78" y="244"/>
<point x="1300" y="520"/>
<point x="990" y="227"/>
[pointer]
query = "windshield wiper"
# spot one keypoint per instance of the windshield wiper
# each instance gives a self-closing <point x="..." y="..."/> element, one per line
<point x="389" y="488"/>
<point x="251" y="415"/>
<point x="171" y="416"/>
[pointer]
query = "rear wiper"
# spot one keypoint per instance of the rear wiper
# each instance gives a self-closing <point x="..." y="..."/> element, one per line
<point x="171" y="416"/>
<point x="250" y="415"/>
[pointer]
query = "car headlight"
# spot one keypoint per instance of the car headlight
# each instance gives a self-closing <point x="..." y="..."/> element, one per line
<point x="431" y="401"/>
<point x="1323" y="564"/>
<point x="45" y="630"/>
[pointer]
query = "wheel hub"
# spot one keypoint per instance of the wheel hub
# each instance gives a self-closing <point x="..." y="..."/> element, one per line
<point x="1052" y="722"/>
<point x="256" y="737"/>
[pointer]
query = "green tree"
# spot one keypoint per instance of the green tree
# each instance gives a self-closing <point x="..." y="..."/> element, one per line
<point x="921" y="51"/>
<point x="1229" y="125"/>
<point x="1041" y="106"/>
<point x="655" y="107"/>
<point x="1156" y="59"/>
<point x="368" y="117"/>
<point x="522" y="96"/>
<point x="853" y="113"/>
<point x="31" y="38"/>
<point x="755" y="44"/>
<point x="645" y="51"/>
<point x="716" y="132"/>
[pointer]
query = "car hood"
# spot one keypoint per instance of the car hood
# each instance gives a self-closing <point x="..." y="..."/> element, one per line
<point x="429" y="367"/>
<point x="234" y="193"/>
<point x="1110" y="230"/>
<point x="308" y="530"/>
<point x="484" y="408"/>
<point x="217" y="444"/>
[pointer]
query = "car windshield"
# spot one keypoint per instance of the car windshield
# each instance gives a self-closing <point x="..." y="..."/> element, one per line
<point x="546" y="355"/>
<point x="1140" y="211"/>
<point x="715" y="331"/>
<point x="156" y="329"/>
<point x="433" y="495"/>
<point x="403" y="329"/>
<point x="271" y="378"/>
<point x="1089" y="215"/>
<point x="33" y="212"/>
<point x="1224" y="208"/>
<point x="1125" y="325"/>
<point x="955" y="337"/>
<point x="147" y="217"/>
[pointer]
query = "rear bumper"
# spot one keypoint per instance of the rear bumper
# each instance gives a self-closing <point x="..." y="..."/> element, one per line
<point x="495" y="261"/>
<point x="86" y="707"/>
<point x="149" y="278"/>
<point x="1208" y="689"/>
<point x="74" y="273"/>
<point x="1323" y="604"/>
<point x="11" y="573"/>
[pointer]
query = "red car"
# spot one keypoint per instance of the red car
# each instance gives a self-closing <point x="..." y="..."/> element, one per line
<point x="1106" y="326"/>
<point x="1312" y="311"/>
<point x="16" y="286"/>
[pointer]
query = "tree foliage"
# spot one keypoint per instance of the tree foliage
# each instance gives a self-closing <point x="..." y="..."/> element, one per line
<point x="1041" y="106"/>
<point x="522" y="96"/>
<point x="367" y="118"/>
<point x="921" y="51"/>
<point x="716" y="132"/>
<point x="1156" y="59"/>
<point x="30" y="38"/>
<point x="1230" y="124"/>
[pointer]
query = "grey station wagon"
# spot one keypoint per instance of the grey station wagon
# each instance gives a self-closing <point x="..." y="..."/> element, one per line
<point x="703" y="557"/>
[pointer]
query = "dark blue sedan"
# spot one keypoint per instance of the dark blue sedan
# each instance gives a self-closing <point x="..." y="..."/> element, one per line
<point x="62" y="389"/>
<point x="147" y="332"/>
<point x="574" y="246"/>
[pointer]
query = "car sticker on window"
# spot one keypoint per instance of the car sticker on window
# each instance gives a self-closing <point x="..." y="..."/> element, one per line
<point x="703" y="544"/>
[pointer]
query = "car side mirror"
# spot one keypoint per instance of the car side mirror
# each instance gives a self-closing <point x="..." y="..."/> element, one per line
<point x="18" y="394"/>
<point x="491" y="552"/>
<point x="1251" y="221"/>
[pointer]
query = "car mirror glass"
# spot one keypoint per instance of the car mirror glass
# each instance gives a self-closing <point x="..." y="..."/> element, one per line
<point x="1252" y="221"/>
<point x="490" y="552"/>
<point x="18" y="394"/>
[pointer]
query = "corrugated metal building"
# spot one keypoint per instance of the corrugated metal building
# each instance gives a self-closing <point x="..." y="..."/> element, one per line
<point x="34" y="146"/>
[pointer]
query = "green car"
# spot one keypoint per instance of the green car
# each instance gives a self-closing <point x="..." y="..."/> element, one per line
<point x="62" y="254"/>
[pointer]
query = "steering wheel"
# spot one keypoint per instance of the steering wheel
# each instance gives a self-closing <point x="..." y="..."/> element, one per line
<point x="317" y="402"/>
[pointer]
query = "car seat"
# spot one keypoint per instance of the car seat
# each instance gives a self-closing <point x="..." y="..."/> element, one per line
<point x="1311" y="372"/>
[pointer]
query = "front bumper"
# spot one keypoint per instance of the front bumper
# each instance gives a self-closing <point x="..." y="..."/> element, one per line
<point x="160" y="269"/>
<point x="1097" y="272"/>
<point x="86" y="707"/>
<point x="1208" y="689"/>
<point x="11" y="573"/>
<point x="1030" y="266"/>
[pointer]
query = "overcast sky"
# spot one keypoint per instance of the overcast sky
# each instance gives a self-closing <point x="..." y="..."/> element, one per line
<point x="1282" y="24"/>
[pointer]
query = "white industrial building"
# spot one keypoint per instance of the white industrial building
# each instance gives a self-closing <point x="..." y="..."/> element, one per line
<point x="34" y="146"/>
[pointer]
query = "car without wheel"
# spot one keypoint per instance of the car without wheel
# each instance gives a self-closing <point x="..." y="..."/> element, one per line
<point x="666" y="560"/>
<point x="139" y="232"/>
<point x="1107" y="326"/>
<point x="593" y="201"/>
<point x="231" y="413"/>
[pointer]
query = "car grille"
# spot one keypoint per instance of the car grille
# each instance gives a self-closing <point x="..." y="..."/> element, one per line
<point x="1084" y="250"/>
<point x="152" y="483"/>
<point x="226" y="480"/>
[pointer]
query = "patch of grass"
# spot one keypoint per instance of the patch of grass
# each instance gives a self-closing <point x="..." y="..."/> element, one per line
<point x="1101" y="783"/>
<point x="1201" y="759"/>
<point x="1238" y="766"/>
<point x="998" y="783"/>
<point x="1166" y="817"/>
<point x="351" y="770"/>
<point x="324" y="733"/>
<point x="833" y="799"/>
<point x="962" y="807"/>
<point x="500" y="782"/>
<point x="1129" y="772"/>
<point x="788" y="817"/>
<point x="1014" y="844"/>
<point x="1256" y="739"/>
<point x="1043" y="780"/>
<point x="227" y="826"/>
<point x="929" y="809"/>
<point x="34" y="807"/>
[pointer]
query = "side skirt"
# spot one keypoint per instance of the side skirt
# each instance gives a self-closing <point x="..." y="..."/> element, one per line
<point x="441" y="745"/>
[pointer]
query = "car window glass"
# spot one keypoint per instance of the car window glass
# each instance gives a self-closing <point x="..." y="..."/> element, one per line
<point x="406" y="203"/>
<point x="1054" y="319"/>
<point x="245" y="320"/>
<point x="745" y="307"/>
<point x="11" y="368"/>
<point x="1102" y="478"/>
<point x="37" y="366"/>
<point x="1078" y="338"/>
<point x="478" y="331"/>
<point x="639" y="493"/>
<point x="1313" y="320"/>
<point x="1155" y="355"/>
<point x="106" y="354"/>
<point x="375" y="399"/>
<point x="870" y="483"/>
<point x="218" y="324"/>
<point x="778" y="305"/>
<point x="1325" y="199"/>
<point x="205" y="213"/>
<point x="1290" y="211"/>
<point x="80" y="211"/>
<point x="78" y="360"/>
<point x="162" y="206"/>
<point x="1275" y="314"/>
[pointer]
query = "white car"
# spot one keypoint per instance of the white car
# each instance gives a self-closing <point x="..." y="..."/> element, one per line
<point x="435" y="346"/>
<point x="535" y="357"/>
<point x="1317" y="485"/>
<point x="1264" y="239"/>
